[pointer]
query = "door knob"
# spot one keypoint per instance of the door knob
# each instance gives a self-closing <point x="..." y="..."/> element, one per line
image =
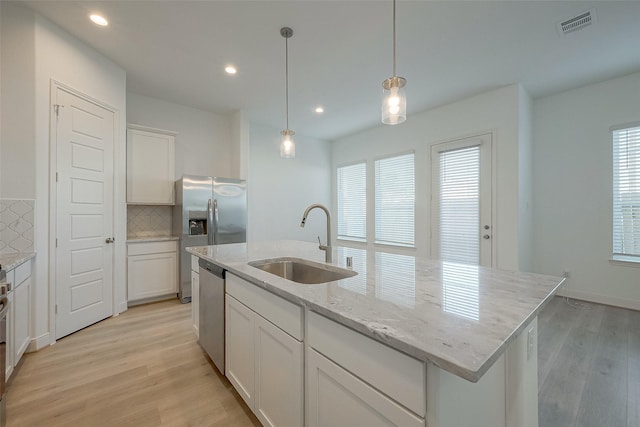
<point x="110" y="239"/>
<point x="486" y="236"/>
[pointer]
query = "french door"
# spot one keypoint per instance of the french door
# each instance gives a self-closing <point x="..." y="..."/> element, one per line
<point x="461" y="228"/>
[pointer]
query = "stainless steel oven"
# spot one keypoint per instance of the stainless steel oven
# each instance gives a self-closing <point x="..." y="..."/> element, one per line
<point x="4" y="308"/>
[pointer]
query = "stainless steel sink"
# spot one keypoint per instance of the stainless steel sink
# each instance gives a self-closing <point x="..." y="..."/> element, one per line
<point x="302" y="271"/>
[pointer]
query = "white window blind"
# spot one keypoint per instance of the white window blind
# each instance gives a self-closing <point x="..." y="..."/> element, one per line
<point x="626" y="191"/>
<point x="395" y="200"/>
<point x="352" y="202"/>
<point x="460" y="205"/>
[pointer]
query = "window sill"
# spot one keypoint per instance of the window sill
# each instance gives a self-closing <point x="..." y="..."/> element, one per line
<point x="628" y="261"/>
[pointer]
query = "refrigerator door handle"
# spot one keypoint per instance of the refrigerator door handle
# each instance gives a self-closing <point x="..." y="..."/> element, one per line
<point x="210" y="226"/>
<point x="215" y="221"/>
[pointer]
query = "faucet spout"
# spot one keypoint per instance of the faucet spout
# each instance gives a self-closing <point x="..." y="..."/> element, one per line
<point x="326" y="248"/>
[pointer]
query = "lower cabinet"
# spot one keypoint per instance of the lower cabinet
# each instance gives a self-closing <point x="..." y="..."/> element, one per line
<point x="151" y="270"/>
<point x="338" y="398"/>
<point x="195" y="295"/>
<point x="18" y="317"/>
<point x="263" y="362"/>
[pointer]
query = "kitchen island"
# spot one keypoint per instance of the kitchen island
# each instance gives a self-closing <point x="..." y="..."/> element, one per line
<point x="438" y="344"/>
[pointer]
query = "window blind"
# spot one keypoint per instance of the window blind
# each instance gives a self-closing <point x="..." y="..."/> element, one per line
<point x="395" y="200"/>
<point x="626" y="191"/>
<point x="459" y="190"/>
<point x="352" y="202"/>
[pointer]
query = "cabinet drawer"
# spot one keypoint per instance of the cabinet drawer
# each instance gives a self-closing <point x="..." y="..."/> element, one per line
<point x="11" y="278"/>
<point x="152" y="247"/>
<point x="282" y="313"/>
<point x="22" y="272"/>
<point x="194" y="263"/>
<point x="399" y="376"/>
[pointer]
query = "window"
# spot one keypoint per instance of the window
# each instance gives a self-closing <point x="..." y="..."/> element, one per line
<point x="395" y="200"/>
<point x="352" y="202"/>
<point x="626" y="191"/>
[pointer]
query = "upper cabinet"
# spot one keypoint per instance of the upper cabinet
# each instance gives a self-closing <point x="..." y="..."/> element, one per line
<point x="150" y="166"/>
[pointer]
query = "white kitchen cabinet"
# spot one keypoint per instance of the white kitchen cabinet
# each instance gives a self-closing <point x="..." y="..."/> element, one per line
<point x="264" y="353"/>
<point x="152" y="270"/>
<point x="195" y="295"/>
<point x="239" y="348"/>
<point x="19" y="315"/>
<point x="339" y="398"/>
<point x="150" y="166"/>
<point x="353" y="377"/>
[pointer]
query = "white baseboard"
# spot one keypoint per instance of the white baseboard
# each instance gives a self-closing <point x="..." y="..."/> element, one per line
<point x="39" y="343"/>
<point x="600" y="299"/>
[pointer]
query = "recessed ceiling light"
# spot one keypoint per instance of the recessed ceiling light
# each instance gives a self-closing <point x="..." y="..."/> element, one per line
<point x="230" y="69"/>
<point x="319" y="110"/>
<point x="99" y="20"/>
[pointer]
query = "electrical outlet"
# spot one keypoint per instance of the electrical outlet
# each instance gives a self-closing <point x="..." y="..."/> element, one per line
<point x="531" y="336"/>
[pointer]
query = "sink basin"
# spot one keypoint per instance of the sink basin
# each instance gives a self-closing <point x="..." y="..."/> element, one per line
<point x="302" y="271"/>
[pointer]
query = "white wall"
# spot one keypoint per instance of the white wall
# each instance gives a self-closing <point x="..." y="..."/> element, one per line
<point x="17" y="135"/>
<point x="496" y="111"/>
<point x="203" y="143"/>
<point x="54" y="54"/>
<point x="281" y="189"/>
<point x="240" y="130"/>
<point x="573" y="189"/>
<point x="525" y="182"/>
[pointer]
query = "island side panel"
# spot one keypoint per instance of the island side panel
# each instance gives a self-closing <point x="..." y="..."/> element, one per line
<point x="505" y="396"/>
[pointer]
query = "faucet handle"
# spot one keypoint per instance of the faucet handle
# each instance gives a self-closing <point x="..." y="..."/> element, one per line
<point x="319" y="242"/>
<point x="320" y="245"/>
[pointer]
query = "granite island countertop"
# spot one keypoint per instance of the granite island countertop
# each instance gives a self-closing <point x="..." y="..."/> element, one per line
<point x="11" y="261"/>
<point x="459" y="317"/>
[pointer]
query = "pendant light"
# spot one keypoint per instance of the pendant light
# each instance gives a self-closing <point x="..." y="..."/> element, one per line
<point x="287" y="146"/>
<point x="394" y="98"/>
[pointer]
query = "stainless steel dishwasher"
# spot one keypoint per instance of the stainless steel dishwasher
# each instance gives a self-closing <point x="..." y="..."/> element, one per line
<point x="211" y="312"/>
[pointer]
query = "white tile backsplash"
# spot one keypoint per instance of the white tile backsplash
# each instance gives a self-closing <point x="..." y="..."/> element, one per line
<point x="17" y="225"/>
<point x="148" y="221"/>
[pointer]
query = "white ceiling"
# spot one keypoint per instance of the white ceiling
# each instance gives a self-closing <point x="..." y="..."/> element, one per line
<point x="341" y="51"/>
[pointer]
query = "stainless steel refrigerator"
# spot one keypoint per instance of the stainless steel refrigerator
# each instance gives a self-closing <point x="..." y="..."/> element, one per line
<point x="208" y="211"/>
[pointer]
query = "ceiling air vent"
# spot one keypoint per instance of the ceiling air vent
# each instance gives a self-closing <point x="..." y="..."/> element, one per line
<point x="577" y="23"/>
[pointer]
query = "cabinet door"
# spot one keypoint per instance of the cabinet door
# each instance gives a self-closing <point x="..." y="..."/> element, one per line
<point x="151" y="275"/>
<point x="279" y="387"/>
<point x="9" y="363"/>
<point x="195" y="302"/>
<point x="22" y="295"/>
<point x="338" y="398"/>
<point x="150" y="181"/>
<point x="239" y="348"/>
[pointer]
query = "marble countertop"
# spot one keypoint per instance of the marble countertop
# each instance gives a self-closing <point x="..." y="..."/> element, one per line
<point x="151" y="239"/>
<point x="11" y="261"/>
<point x="459" y="317"/>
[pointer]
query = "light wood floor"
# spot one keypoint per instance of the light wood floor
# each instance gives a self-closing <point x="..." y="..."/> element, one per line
<point x="145" y="368"/>
<point x="142" y="368"/>
<point x="588" y="365"/>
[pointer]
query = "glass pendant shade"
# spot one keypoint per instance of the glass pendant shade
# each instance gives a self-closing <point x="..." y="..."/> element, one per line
<point x="287" y="145"/>
<point x="394" y="101"/>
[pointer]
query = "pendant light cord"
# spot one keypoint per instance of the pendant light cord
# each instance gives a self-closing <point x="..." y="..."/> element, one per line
<point x="286" y="73"/>
<point x="394" y="38"/>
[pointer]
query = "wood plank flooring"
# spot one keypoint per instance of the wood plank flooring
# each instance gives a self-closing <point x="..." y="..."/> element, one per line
<point x="145" y="368"/>
<point x="589" y="365"/>
<point x="142" y="368"/>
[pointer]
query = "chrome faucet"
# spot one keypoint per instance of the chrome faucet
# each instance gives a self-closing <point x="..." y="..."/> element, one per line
<point x="326" y="248"/>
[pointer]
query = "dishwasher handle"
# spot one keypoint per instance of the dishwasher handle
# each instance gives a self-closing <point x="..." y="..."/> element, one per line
<point x="211" y="268"/>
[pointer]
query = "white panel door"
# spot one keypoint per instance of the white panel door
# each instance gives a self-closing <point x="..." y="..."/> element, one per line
<point x="461" y="227"/>
<point x="279" y="366"/>
<point x="84" y="212"/>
